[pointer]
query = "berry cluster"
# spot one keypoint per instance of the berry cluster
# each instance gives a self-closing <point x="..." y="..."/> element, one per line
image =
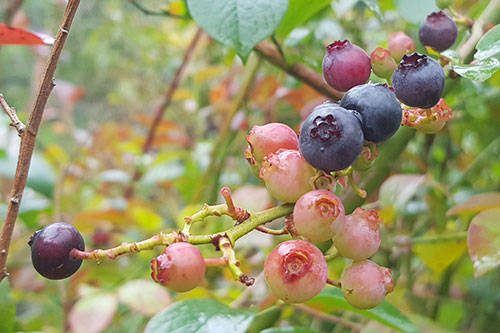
<point x="334" y="139"/>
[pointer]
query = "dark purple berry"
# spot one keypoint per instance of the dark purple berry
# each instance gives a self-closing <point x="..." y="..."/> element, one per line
<point x="331" y="137"/>
<point x="345" y="65"/>
<point x="418" y="81"/>
<point x="51" y="247"/>
<point x="438" y="31"/>
<point x="380" y="110"/>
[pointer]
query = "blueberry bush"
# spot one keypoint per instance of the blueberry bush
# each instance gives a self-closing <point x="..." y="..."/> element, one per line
<point x="249" y="166"/>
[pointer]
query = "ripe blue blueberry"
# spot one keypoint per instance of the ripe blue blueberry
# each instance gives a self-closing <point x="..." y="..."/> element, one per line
<point x="380" y="110"/>
<point x="331" y="137"/>
<point x="418" y="81"/>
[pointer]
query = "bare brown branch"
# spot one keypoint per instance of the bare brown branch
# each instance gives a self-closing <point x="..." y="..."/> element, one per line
<point x="29" y="137"/>
<point x="11" y="112"/>
<point x="298" y="71"/>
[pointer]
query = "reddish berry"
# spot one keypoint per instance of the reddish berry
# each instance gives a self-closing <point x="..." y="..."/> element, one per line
<point x="266" y="139"/>
<point x="295" y="271"/>
<point x="345" y="65"/>
<point x="383" y="64"/>
<point x="317" y="214"/>
<point x="428" y="121"/>
<point x="360" y="235"/>
<point x="51" y="250"/>
<point x="418" y="81"/>
<point x="365" y="284"/>
<point x="287" y="175"/>
<point x="438" y="31"/>
<point x="180" y="267"/>
<point x="400" y="44"/>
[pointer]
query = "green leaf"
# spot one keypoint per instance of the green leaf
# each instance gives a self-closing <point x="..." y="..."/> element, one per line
<point x="144" y="296"/>
<point x="238" y="23"/>
<point x="299" y="11"/>
<point x="483" y="241"/>
<point x="201" y="316"/>
<point x="385" y="313"/>
<point x="452" y="55"/>
<point x="476" y="204"/>
<point x="290" y="329"/>
<point x="489" y="44"/>
<point x="415" y="11"/>
<point x="8" y="308"/>
<point x="374" y="6"/>
<point x="41" y="178"/>
<point x="481" y="71"/>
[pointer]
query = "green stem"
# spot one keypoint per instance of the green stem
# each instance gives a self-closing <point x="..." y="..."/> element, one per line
<point x="439" y="238"/>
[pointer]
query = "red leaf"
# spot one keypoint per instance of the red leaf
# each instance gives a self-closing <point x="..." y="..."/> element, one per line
<point x="16" y="36"/>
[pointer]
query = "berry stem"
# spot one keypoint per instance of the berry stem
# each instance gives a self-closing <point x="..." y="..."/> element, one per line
<point x="232" y="263"/>
<point x="28" y="139"/>
<point x="334" y="283"/>
<point x="216" y="262"/>
<point x="161" y="239"/>
<point x="345" y="172"/>
<point x="332" y="254"/>
<point x="206" y="211"/>
<point x="274" y="232"/>
<point x="360" y="192"/>
<point x="238" y="214"/>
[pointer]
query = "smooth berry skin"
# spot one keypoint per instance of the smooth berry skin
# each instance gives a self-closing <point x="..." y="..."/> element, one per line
<point x="317" y="214"/>
<point x="438" y="31"/>
<point x="359" y="238"/>
<point x="295" y="271"/>
<point x="345" y="65"/>
<point x="400" y="44"/>
<point x="181" y="267"/>
<point x="287" y="175"/>
<point x="379" y="108"/>
<point x="365" y="284"/>
<point x="331" y="137"/>
<point x="51" y="248"/>
<point x="266" y="139"/>
<point x="418" y="81"/>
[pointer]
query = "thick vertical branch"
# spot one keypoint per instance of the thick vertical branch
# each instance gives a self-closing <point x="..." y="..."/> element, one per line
<point x="29" y="136"/>
<point x="160" y="111"/>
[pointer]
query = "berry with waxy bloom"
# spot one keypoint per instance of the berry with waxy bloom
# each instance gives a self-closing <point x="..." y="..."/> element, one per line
<point x="365" y="284"/>
<point x="359" y="237"/>
<point x="180" y="267"/>
<point x="287" y="175"/>
<point x="295" y="271"/>
<point x="317" y="214"/>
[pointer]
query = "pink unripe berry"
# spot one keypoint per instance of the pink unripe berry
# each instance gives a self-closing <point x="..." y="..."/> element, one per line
<point x="383" y="64"/>
<point x="180" y="267"/>
<point x="345" y="65"/>
<point x="428" y="121"/>
<point x="400" y="44"/>
<point x="287" y="175"/>
<point x="266" y="139"/>
<point x="365" y="284"/>
<point x="295" y="271"/>
<point x="317" y="214"/>
<point x="360" y="235"/>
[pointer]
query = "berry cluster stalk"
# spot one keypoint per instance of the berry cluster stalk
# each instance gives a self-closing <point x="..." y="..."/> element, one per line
<point x="28" y="138"/>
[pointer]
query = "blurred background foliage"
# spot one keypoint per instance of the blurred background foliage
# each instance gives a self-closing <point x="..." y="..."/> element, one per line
<point x="114" y="71"/>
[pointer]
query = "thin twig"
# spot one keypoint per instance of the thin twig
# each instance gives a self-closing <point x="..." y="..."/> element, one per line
<point x="298" y="71"/>
<point x="146" y="11"/>
<point x="29" y="138"/>
<point x="11" y="112"/>
<point x="328" y="317"/>
<point x="467" y="47"/>
<point x="160" y="111"/>
<point x="274" y="232"/>
<point x="334" y="283"/>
